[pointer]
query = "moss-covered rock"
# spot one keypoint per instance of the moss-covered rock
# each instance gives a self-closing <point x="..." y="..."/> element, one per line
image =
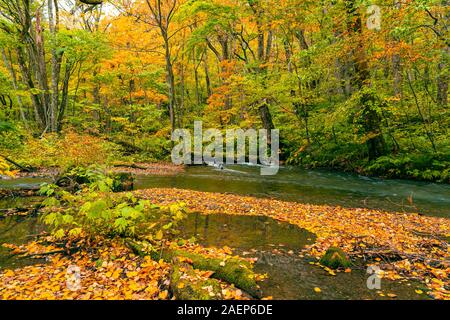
<point x="186" y="285"/>
<point x="447" y="238"/>
<point x="233" y="270"/>
<point x="335" y="258"/>
<point x="75" y="177"/>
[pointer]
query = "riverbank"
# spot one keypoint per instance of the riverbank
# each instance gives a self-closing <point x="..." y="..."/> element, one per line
<point x="147" y="168"/>
<point x="416" y="166"/>
<point x="405" y="246"/>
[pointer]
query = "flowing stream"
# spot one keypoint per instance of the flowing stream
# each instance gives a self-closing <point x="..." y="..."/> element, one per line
<point x="312" y="186"/>
<point x="295" y="184"/>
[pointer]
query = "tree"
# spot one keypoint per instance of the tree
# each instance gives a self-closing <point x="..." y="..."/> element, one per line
<point x="161" y="15"/>
<point x="28" y="45"/>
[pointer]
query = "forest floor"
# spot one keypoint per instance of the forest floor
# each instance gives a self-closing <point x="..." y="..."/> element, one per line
<point x="403" y="245"/>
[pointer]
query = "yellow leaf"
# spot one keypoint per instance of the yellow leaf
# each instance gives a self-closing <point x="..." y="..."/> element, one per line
<point x="116" y="274"/>
<point x="151" y="290"/>
<point x="181" y="285"/>
<point x="159" y="235"/>
<point x="163" y="294"/>
<point x="317" y="289"/>
<point x="132" y="274"/>
<point x="9" y="273"/>
<point x="134" y="286"/>
<point x="419" y="291"/>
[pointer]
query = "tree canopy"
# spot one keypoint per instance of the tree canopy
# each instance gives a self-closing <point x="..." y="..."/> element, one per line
<point x="350" y="84"/>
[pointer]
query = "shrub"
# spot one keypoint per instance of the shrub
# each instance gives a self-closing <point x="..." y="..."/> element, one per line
<point x="69" y="150"/>
<point x="94" y="210"/>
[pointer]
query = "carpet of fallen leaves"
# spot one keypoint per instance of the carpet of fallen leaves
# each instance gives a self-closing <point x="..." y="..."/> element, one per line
<point x="108" y="270"/>
<point x="404" y="245"/>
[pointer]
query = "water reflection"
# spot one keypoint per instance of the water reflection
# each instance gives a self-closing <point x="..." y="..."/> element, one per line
<point x="245" y="232"/>
<point x="277" y="247"/>
<point x="17" y="230"/>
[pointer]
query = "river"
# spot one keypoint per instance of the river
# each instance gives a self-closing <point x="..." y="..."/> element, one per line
<point x="313" y="186"/>
<point x="275" y="245"/>
<point x="295" y="184"/>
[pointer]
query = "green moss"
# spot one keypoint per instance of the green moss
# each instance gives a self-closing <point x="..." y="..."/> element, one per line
<point x="185" y="285"/>
<point x="335" y="258"/>
<point x="234" y="271"/>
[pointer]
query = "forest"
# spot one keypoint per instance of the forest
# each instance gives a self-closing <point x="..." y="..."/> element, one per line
<point x="91" y="92"/>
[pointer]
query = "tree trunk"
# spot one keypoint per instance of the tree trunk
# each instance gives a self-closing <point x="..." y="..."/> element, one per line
<point x="442" y="80"/>
<point x="397" y="74"/>
<point x="266" y="118"/>
<point x="207" y="77"/>
<point x="370" y="117"/>
<point x="39" y="111"/>
<point x="37" y="53"/>
<point x="55" y="70"/>
<point x="9" y="67"/>
<point x="64" y="95"/>
<point x="263" y="56"/>
<point x="170" y="82"/>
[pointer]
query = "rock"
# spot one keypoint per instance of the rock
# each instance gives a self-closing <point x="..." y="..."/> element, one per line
<point x="335" y="258"/>
<point x="186" y="285"/>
